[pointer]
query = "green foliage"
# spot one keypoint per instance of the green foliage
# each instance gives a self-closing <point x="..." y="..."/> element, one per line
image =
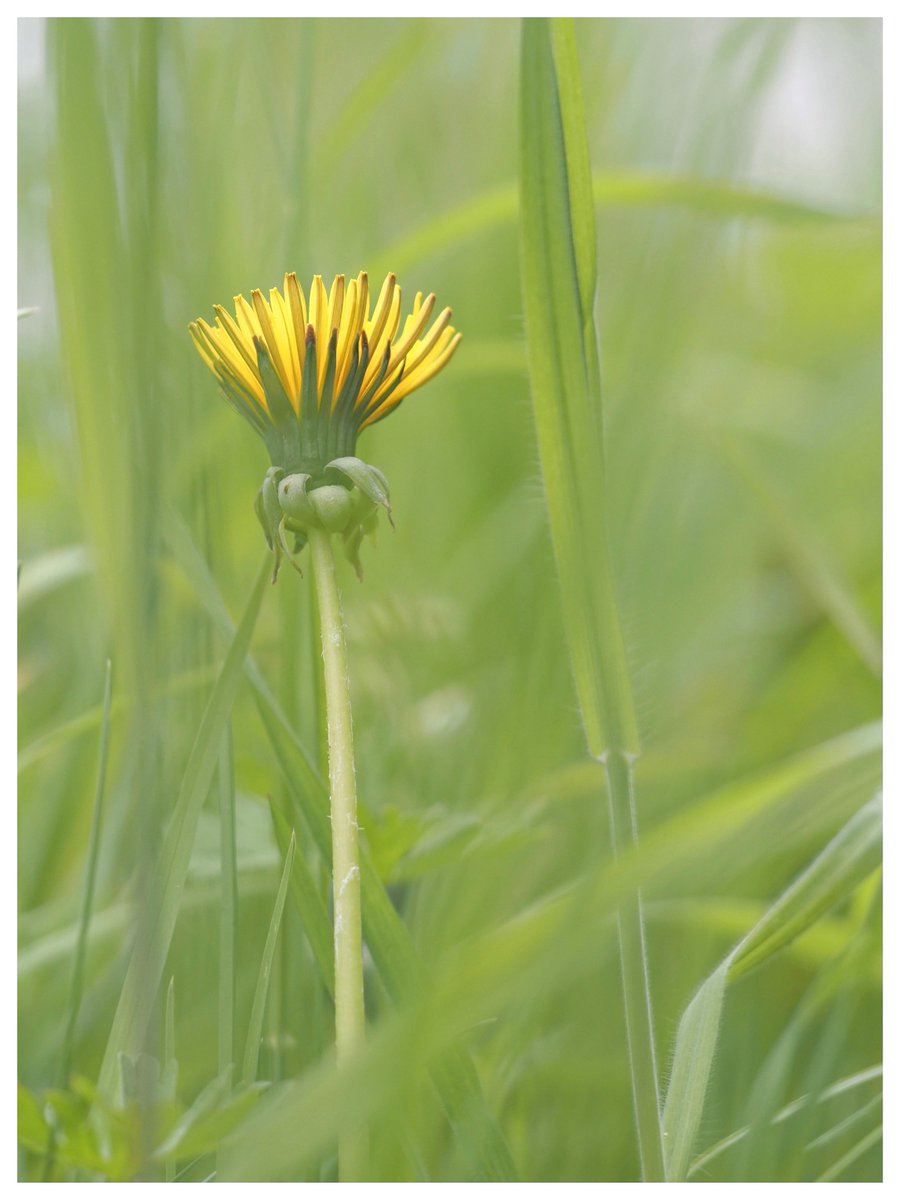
<point x="738" y="269"/>
<point x="830" y="879"/>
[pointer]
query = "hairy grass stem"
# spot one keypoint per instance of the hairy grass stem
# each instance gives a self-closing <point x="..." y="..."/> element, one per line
<point x="349" y="1001"/>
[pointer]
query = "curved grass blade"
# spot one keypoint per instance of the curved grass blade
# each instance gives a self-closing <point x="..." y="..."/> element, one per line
<point x="845" y="862"/>
<point x="43" y="574"/>
<point x="352" y="109"/>
<point x="847" y="1160"/>
<point x="849" y="1083"/>
<point x="720" y="199"/>
<point x="148" y="958"/>
<point x="811" y="561"/>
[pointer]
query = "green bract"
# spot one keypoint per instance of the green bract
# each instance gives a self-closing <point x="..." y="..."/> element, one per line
<point x="344" y="499"/>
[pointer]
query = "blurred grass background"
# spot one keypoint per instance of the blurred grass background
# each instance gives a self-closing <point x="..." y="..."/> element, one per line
<point x="165" y="165"/>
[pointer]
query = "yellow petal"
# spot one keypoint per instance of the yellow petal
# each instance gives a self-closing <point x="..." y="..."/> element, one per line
<point x="375" y="327"/>
<point x="382" y="333"/>
<point x="297" y="305"/>
<point x="224" y="350"/>
<point x="413" y="327"/>
<point x="284" y="329"/>
<point x="426" y="370"/>
<point x="349" y="332"/>
<point x="246" y="319"/>
<point x="264" y="316"/>
<point x="224" y="361"/>
<point x="242" y="343"/>
<point x="335" y="303"/>
<point x="318" y="318"/>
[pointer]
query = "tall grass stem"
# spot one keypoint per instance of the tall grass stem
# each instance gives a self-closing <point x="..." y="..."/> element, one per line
<point x="635" y="976"/>
<point x="348" y="967"/>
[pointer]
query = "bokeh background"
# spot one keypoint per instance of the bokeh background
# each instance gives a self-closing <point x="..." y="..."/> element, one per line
<point x="166" y="165"/>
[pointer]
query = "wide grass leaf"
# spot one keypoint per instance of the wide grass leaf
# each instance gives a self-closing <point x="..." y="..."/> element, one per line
<point x="558" y="279"/>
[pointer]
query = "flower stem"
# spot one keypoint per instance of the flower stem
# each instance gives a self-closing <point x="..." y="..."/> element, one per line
<point x="348" y="969"/>
<point x="635" y="978"/>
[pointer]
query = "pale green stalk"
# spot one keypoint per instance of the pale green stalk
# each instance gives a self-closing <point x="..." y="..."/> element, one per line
<point x="348" y="970"/>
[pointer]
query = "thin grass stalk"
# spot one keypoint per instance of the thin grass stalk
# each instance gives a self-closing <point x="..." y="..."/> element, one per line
<point x="558" y="254"/>
<point x="169" y="1058"/>
<point x="258" y="1008"/>
<point x="847" y="1160"/>
<point x="228" y="909"/>
<point x="87" y="901"/>
<point x="76" y="989"/>
<point x="635" y="975"/>
<point x="348" y="965"/>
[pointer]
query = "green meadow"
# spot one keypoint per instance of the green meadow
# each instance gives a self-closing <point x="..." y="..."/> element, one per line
<point x="636" y="569"/>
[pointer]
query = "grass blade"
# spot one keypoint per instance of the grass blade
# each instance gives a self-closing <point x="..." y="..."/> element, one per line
<point x="561" y="353"/>
<point x="148" y="959"/>
<point x="695" y="1045"/>
<point x="257" y="1011"/>
<point x="42" y="575"/>
<point x="811" y="561"/>
<point x="558" y="256"/>
<point x="307" y="900"/>
<point x="847" y="1160"/>
<point x="852" y="855"/>
<point x="844" y="863"/>
<point x="76" y="988"/>
<point x="849" y="1083"/>
<point x="87" y="903"/>
<point x="718" y="199"/>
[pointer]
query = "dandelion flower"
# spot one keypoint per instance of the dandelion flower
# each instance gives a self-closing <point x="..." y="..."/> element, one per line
<point x="310" y="374"/>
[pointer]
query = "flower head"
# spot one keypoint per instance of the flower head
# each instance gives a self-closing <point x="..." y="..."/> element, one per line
<point x="310" y="375"/>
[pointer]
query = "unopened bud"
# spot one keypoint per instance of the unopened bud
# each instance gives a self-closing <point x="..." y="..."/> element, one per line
<point x="294" y="500"/>
<point x="333" y="506"/>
